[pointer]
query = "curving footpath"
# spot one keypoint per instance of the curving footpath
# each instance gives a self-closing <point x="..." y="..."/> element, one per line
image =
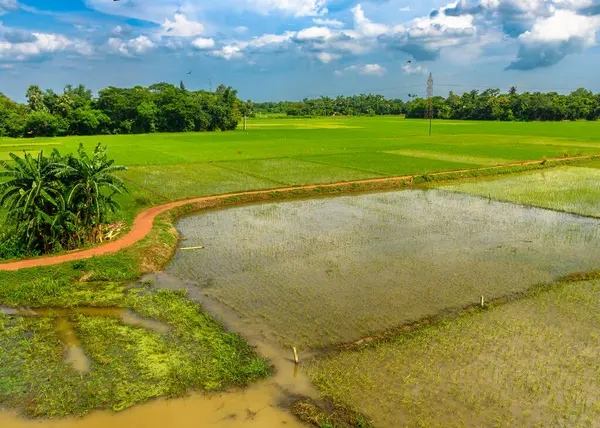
<point x="144" y="221"/>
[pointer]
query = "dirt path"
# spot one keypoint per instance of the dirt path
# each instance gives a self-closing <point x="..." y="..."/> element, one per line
<point x="144" y="221"/>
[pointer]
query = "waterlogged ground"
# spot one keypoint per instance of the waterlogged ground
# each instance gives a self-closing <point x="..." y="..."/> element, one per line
<point x="534" y="362"/>
<point x="73" y="359"/>
<point x="322" y="271"/>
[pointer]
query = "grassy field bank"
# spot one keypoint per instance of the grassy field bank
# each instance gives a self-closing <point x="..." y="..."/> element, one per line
<point x="569" y="189"/>
<point x="533" y="362"/>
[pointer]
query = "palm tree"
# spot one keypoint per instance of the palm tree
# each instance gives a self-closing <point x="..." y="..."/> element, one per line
<point x="33" y="197"/>
<point x="92" y="186"/>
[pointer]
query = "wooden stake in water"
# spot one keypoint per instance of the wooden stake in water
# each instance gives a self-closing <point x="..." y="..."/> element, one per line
<point x="296" y="359"/>
<point x="482" y="302"/>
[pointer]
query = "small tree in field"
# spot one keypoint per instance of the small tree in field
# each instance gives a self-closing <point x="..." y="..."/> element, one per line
<point x="58" y="202"/>
<point x="91" y="186"/>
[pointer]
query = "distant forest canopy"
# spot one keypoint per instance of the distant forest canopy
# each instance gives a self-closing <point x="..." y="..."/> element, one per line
<point x="162" y="107"/>
<point x="490" y="104"/>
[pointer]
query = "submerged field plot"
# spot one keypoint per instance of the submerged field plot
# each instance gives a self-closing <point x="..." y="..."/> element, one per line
<point x="324" y="271"/>
<point x="534" y="362"/>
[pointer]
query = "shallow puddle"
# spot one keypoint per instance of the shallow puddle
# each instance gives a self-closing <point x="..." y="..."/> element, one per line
<point x="323" y="271"/>
<point x="258" y="406"/>
<point x="75" y="356"/>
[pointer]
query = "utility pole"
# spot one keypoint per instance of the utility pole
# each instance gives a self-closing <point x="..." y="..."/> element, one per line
<point x="430" y="101"/>
<point x="210" y="83"/>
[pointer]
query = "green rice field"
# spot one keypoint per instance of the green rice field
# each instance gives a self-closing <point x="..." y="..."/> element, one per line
<point x="571" y="189"/>
<point x="276" y="152"/>
<point x="533" y="362"/>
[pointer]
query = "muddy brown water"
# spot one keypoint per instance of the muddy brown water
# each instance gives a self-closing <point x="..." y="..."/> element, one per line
<point x="263" y="404"/>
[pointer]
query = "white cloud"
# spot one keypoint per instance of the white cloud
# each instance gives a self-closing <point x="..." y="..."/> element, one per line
<point x="241" y="29"/>
<point x="326" y="57"/>
<point x="562" y="26"/>
<point x="203" y="44"/>
<point x="366" y="70"/>
<point x="404" y="9"/>
<point x="42" y="43"/>
<point x="229" y="52"/>
<point x="271" y="40"/>
<point x="365" y="26"/>
<point x="292" y="7"/>
<point x="334" y="23"/>
<point x="410" y="68"/>
<point x="137" y="46"/>
<point x="319" y="34"/>
<point x="181" y="26"/>
<point x="551" y="39"/>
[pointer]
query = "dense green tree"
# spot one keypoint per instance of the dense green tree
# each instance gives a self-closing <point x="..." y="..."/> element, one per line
<point x="92" y="186"/>
<point x="56" y="202"/>
<point x="33" y="198"/>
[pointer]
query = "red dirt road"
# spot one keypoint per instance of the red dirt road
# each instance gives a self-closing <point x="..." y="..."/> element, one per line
<point x="144" y="221"/>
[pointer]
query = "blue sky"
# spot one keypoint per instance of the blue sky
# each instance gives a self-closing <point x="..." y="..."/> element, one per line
<point x="291" y="49"/>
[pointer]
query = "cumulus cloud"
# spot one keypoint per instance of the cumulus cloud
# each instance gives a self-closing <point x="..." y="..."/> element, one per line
<point x="327" y="57"/>
<point x="156" y="10"/>
<point x="551" y="39"/>
<point x="137" y="46"/>
<point x="425" y="37"/>
<point x="366" y="70"/>
<point x="203" y="44"/>
<point x="229" y="52"/>
<point x="315" y="34"/>
<point x="16" y="45"/>
<point x="410" y="68"/>
<point x="365" y="26"/>
<point x="181" y="26"/>
<point x="121" y="31"/>
<point x="547" y="30"/>
<point x="334" y="23"/>
<point x="292" y="7"/>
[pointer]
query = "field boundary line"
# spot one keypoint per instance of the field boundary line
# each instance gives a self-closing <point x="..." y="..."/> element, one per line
<point x="249" y="174"/>
<point x="342" y="166"/>
<point x="144" y="221"/>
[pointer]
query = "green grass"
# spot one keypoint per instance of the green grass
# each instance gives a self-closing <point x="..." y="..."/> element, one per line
<point x="129" y="365"/>
<point x="533" y="362"/>
<point x="276" y="151"/>
<point x="387" y="164"/>
<point x="465" y="159"/>
<point x="570" y="189"/>
<point x="173" y="182"/>
<point x="297" y="172"/>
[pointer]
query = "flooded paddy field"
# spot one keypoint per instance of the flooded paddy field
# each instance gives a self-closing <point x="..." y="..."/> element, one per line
<point x="528" y="363"/>
<point x="324" y="271"/>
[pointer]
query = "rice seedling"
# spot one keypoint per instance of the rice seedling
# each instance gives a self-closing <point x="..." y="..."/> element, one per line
<point x="532" y="362"/>
<point x="324" y="271"/>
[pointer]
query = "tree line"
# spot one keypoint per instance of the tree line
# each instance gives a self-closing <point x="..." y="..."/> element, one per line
<point x="162" y="107"/>
<point x="490" y="104"/>
<point x="357" y="105"/>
